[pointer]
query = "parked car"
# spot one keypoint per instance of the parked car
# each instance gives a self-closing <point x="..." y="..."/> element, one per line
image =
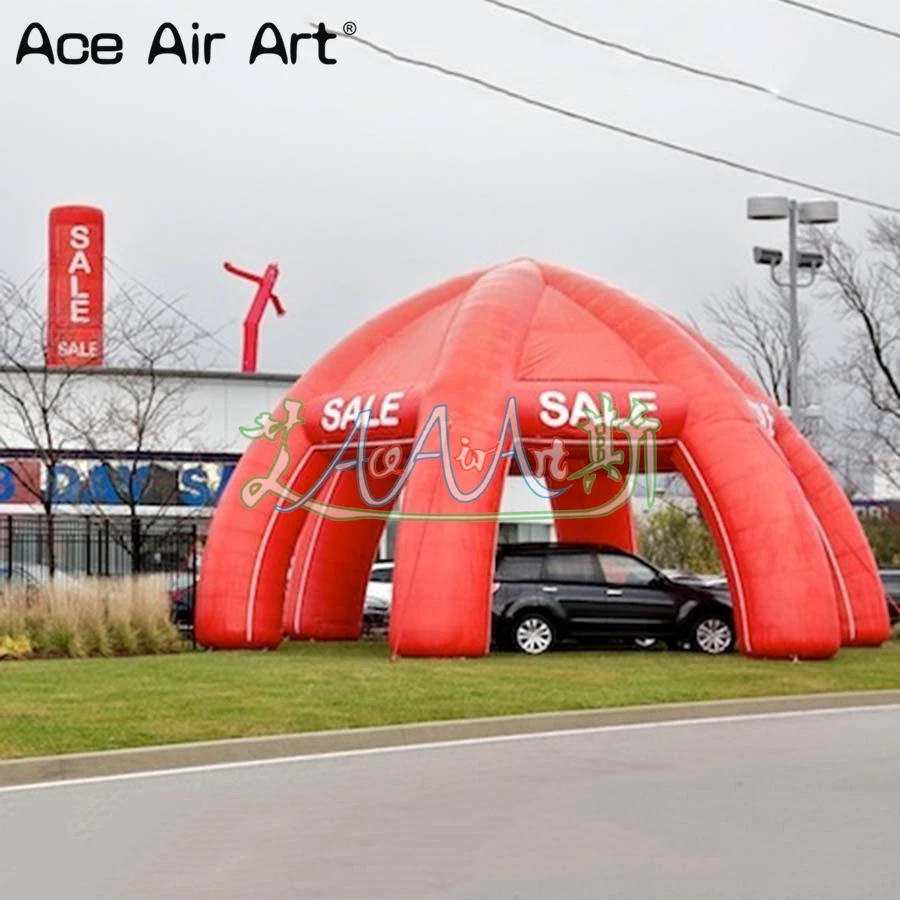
<point x="547" y="594"/>
<point x="181" y="600"/>
<point x="890" y="578"/>
<point x="379" y="593"/>
<point x="31" y="578"/>
<point x="31" y="575"/>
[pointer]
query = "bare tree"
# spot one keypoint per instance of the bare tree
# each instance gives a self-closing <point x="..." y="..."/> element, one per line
<point x="120" y="416"/>
<point x="755" y="327"/>
<point x="141" y="411"/>
<point x="865" y="287"/>
<point x="33" y="403"/>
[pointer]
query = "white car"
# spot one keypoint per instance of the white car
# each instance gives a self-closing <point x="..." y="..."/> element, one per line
<point x="379" y="593"/>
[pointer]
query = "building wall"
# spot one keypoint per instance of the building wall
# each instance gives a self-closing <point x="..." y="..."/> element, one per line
<point x="886" y="479"/>
<point x="193" y="449"/>
<point x="218" y="403"/>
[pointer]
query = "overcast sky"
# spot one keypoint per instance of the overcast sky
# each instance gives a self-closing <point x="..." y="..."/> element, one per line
<point x="368" y="180"/>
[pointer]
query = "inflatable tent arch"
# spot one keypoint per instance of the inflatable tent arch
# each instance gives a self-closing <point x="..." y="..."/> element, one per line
<point x="802" y="575"/>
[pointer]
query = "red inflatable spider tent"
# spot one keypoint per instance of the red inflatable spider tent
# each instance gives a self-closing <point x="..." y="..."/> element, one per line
<point x="502" y="367"/>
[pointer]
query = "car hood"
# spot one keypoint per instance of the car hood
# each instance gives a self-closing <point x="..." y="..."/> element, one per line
<point x="705" y="593"/>
<point x="373" y="602"/>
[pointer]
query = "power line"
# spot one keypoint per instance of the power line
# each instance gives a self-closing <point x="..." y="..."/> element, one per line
<point x="847" y="20"/>
<point x="167" y="304"/>
<point x="22" y="292"/>
<point x="146" y="320"/>
<point x="172" y="307"/>
<point x="694" y="70"/>
<point x="34" y="277"/>
<point x="616" y="129"/>
<point x="21" y="289"/>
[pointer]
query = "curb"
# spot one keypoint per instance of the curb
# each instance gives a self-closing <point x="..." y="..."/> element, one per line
<point x="48" y="769"/>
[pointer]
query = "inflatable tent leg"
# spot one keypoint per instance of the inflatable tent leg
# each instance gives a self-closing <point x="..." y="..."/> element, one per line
<point x="861" y="607"/>
<point x="444" y="569"/>
<point x="331" y="565"/>
<point x="241" y="592"/>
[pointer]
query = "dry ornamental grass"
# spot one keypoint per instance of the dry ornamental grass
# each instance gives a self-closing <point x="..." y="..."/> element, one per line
<point x="83" y="617"/>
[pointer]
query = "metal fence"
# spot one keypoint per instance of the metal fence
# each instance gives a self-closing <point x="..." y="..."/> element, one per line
<point x="35" y="550"/>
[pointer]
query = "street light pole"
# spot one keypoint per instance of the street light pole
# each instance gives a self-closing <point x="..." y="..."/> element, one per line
<point x="794" y="311"/>
<point x="815" y="212"/>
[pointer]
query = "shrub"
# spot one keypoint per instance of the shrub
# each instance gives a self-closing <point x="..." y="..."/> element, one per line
<point x="123" y="637"/>
<point x="90" y="617"/>
<point x="15" y="648"/>
<point x="676" y="538"/>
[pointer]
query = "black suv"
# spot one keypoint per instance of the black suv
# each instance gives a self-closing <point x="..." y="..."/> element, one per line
<point x="548" y="593"/>
<point x="890" y="578"/>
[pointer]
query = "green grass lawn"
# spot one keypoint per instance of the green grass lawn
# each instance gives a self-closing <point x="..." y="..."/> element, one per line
<point x="65" y="706"/>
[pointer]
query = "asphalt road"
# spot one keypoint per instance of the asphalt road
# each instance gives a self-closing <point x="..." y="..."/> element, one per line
<point x="789" y="807"/>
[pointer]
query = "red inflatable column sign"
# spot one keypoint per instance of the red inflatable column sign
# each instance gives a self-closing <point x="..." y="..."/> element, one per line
<point x="75" y="312"/>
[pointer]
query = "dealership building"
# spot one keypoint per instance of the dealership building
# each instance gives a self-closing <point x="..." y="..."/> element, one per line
<point x="185" y="478"/>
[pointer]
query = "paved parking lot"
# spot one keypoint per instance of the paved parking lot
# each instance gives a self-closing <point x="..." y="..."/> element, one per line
<point x="794" y="806"/>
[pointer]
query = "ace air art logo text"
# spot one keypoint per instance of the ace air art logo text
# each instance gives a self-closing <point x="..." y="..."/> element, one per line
<point x="193" y="45"/>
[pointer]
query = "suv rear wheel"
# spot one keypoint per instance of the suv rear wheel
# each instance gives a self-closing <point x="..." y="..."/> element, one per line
<point x="533" y="633"/>
<point x="712" y="633"/>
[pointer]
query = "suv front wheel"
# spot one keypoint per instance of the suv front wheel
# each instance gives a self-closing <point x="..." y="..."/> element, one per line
<point x="712" y="633"/>
<point x="534" y="634"/>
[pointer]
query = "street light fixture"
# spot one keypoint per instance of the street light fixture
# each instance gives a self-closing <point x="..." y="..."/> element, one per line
<point x="813" y="261"/>
<point x="768" y="208"/>
<point x="812" y="212"/>
<point x="765" y="256"/>
<point x="817" y="212"/>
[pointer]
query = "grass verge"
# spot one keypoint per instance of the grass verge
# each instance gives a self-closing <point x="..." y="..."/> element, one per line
<point x="67" y="706"/>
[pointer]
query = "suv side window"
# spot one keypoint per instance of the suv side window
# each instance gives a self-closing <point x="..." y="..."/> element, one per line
<point x="891" y="583"/>
<point x="580" y="568"/>
<point x="525" y="567"/>
<point x="382" y="576"/>
<point x="626" y="570"/>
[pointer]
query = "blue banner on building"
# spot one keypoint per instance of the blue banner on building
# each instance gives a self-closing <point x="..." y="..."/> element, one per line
<point x="79" y="483"/>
